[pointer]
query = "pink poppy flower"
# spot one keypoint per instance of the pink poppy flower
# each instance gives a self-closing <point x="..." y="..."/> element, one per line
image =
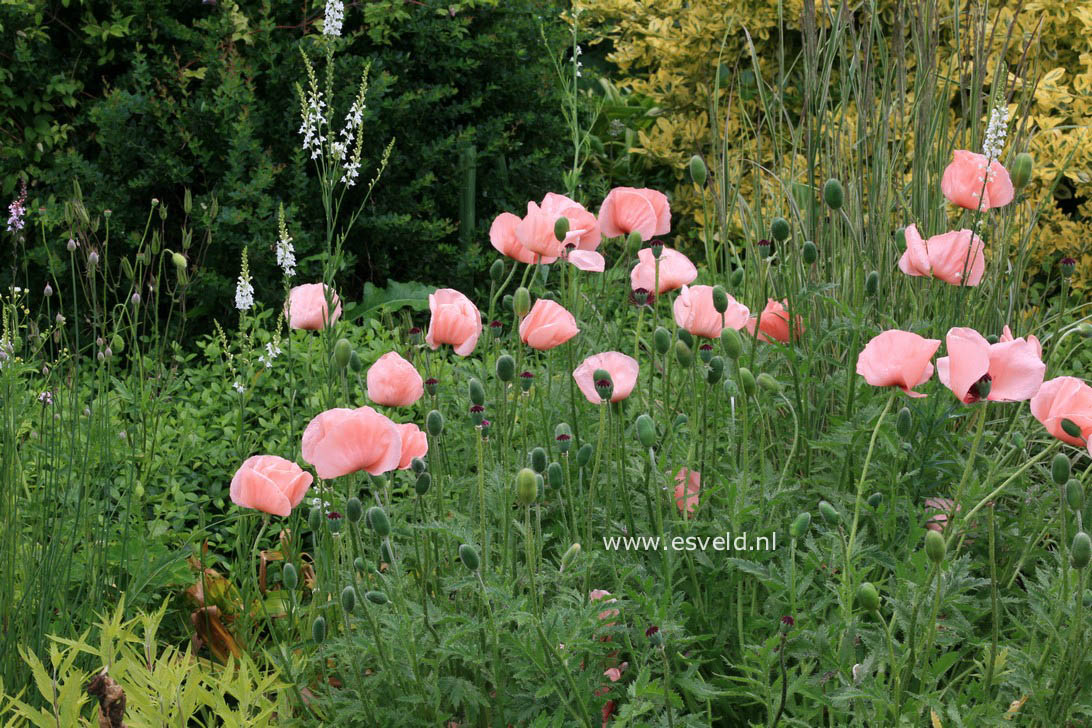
<point x="269" y="484"/>
<point x="536" y="232"/>
<point x="1065" y="398"/>
<point x="394" y="382"/>
<point x="946" y="256"/>
<point x="1006" y="335"/>
<point x="773" y="323"/>
<point x="587" y="260"/>
<point x="623" y="373"/>
<point x="584" y="231"/>
<point x="306" y="307"/>
<point x="687" y="489"/>
<point x="615" y="673"/>
<point x="676" y="270"/>
<point x="455" y="320"/>
<point x="694" y="311"/>
<point x="414" y="444"/>
<point x="597" y="594"/>
<point x="626" y="210"/>
<point x="547" y="325"/>
<point x="502" y="235"/>
<point x="342" y="441"/>
<point x="969" y="183"/>
<point x="898" y="359"/>
<point x="1012" y="368"/>
<point x="940" y="507"/>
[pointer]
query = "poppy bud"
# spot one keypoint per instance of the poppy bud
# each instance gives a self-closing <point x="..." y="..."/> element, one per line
<point x="904" y="422"/>
<point x="680" y="422"/>
<point x="117" y="343"/>
<point x="1018" y="440"/>
<point x="633" y="242"/>
<point x="732" y="343"/>
<point x="746" y="381"/>
<point x="768" y="383"/>
<point x="526" y="487"/>
<point x="683" y="353"/>
<point x="179" y="261"/>
<point x="833" y="194"/>
<point x="359" y="564"/>
<point x="1070" y="427"/>
<point x="477" y="392"/>
<point x="1074" y="495"/>
<point x="661" y="340"/>
<point x="686" y="337"/>
<point x="315" y="518"/>
<point x="376" y="597"/>
<point x="1085" y="330"/>
<point x="900" y="238"/>
<point x="496" y="271"/>
<point x="386" y="552"/>
<point x="555" y="475"/>
<point x="354" y="509"/>
<point x="521" y="301"/>
<point x="801" y="525"/>
<point x="779" y="228"/>
<point x="507" y="300"/>
<point x="736" y="279"/>
<point x="935" y="546"/>
<point x="434" y="423"/>
<point x="646" y="430"/>
<point x="355" y="363"/>
<point x="506" y="368"/>
<point x="1020" y="170"/>
<point x="716" y="370"/>
<point x="698" y="171"/>
<point x="810" y="252"/>
<point x="569" y="556"/>
<point x="875" y="500"/>
<point x="318" y="630"/>
<point x="720" y="299"/>
<point x="561" y="228"/>
<point x="377" y="519"/>
<point x="538" y="459"/>
<point x="1081" y="550"/>
<point x="828" y="512"/>
<point x="418" y="466"/>
<point x="342" y="351"/>
<point x="290" y="577"/>
<point x="424" y="482"/>
<point x="469" y="556"/>
<point x="872" y="284"/>
<point x="584" y="454"/>
<point x="1059" y="469"/>
<point x="348" y="599"/>
<point x="867" y="596"/>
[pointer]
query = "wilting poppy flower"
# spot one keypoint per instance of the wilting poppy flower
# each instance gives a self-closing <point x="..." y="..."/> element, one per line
<point x="947" y="257"/>
<point x="627" y="210"/>
<point x="547" y="325"/>
<point x="623" y="372"/>
<point x="969" y="182"/>
<point x="940" y="507"/>
<point x="342" y="441"/>
<point x="676" y="271"/>
<point x="394" y="382"/>
<point x="1065" y="398"/>
<point x="306" y="307"/>
<point x="1012" y="368"/>
<point x="687" y="489"/>
<point x="455" y="320"/>
<point x="269" y="484"/>
<point x="414" y="444"/>
<point x="898" y="359"/>
<point x="694" y="311"/>
<point x="773" y="323"/>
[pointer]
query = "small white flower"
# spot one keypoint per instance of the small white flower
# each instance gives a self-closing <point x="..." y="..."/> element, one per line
<point x="244" y="294"/>
<point x="996" y="130"/>
<point x="335" y="14"/>
<point x="239" y="387"/>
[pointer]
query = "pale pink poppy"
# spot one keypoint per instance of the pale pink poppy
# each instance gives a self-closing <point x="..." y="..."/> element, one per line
<point x="940" y="507"/>
<point x="587" y="260"/>
<point x="694" y="311"/>
<point x="547" y="325"/>
<point x="1006" y="335"/>
<point x="584" y="230"/>
<point x="536" y="232"/>
<point x="394" y="382"/>
<point x="414" y="444"/>
<point x="676" y="270"/>
<point x="502" y="235"/>
<point x="306" y="307"/>
<point x="269" y="484"/>
<point x="627" y="210"/>
<point x="615" y="673"/>
<point x="898" y="359"/>
<point x="773" y="323"/>
<point x="1012" y="368"/>
<point x="1065" y="398"/>
<point x="946" y="256"/>
<point x="623" y="372"/>
<point x="342" y="441"/>
<point x="969" y="181"/>
<point x="455" y="320"/>
<point x="688" y="485"/>
<point x="598" y="594"/>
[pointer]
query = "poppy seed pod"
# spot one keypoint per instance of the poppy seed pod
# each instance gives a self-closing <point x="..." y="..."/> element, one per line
<point x="604" y="384"/>
<point x="469" y="556"/>
<point x="377" y="519"/>
<point x="746" y="381"/>
<point x="809" y="252"/>
<point x="584" y="454"/>
<point x="698" y="171"/>
<point x="1059" y="469"/>
<point x="318" y="630"/>
<point x="661" y="340"/>
<point x="561" y="228"/>
<point x="720" y="299"/>
<point x="506" y="368"/>
<point x="526" y="487"/>
<point x="354" y="509"/>
<point x="1081" y="551"/>
<point x="342" y="351"/>
<point x="348" y="599"/>
<point x="705" y="353"/>
<point x="526" y="379"/>
<point x="872" y="284"/>
<point x="496" y="271"/>
<point x="434" y="423"/>
<point x="801" y="525"/>
<point x="828" y="512"/>
<point x="779" y="228"/>
<point x="569" y="556"/>
<point x="477" y="392"/>
<point x="1020" y="170"/>
<point x="867" y="597"/>
<point x="904" y="422"/>
<point x="538" y="459"/>
<point x="683" y="353"/>
<point x="935" y="546"/>
<point x="376" y="597"/>
<point x="732" y="343"/>
<point x="833" y="194"/>
<point x="1074" y="495"/>
<point x="646" y="430"/>
<point x="290" y="577"/>
<point x="521" y="301"/>
<point x="424" y="482"/>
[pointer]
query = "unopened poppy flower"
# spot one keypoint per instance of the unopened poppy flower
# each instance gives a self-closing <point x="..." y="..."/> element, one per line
<point x="341" y="441"/>
<point x="1012" y="369"/>
<point x="600" y="594"/>
<point x="940" y="508"/>
<point x="306" y="307"/>
<point x="627" y="210"/>
<point x="773" y="323"/>
<point x="502" y="235"/>
<point x="1006" y="335"/>
<point x="269" y="484"/>
<point x="970" y="182"/>
<point x="688" y="485"/>
<point x="455" y="320"/>
<point x="584" y="231"/>
<point x="623" y="372"/>
<point x="414" y="444"/>
<point x="952" y="257"/>
<point x="394" y="382"/>
<point x="695" y="312"/>
<point x="897" y="358"/>
<point x="1065" y="398"/>
<point x="676" y="271"/>
<point x="547" y="325"/>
